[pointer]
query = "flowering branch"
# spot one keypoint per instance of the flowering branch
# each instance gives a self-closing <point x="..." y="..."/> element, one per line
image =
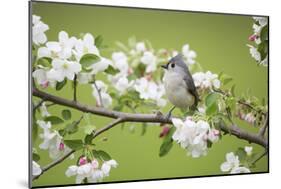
<point x="264" y="127"/>
<point x="132" y="117"/>
<point x="54" y="163"/>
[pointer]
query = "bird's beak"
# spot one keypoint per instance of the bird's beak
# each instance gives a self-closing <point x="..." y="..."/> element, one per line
<point x="165" y="66"/>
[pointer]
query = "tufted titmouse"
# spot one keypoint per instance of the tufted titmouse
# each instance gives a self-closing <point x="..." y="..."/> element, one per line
<point x="179" y="84"/>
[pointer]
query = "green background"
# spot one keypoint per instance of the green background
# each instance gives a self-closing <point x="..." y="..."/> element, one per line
<point x="220" y="42"/>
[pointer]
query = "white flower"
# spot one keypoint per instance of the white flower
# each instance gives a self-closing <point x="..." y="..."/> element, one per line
<point x="262" y="20"/>
<point x="101" y="88"/>
<point x="250" y="118"/>
<point x="237" y="170"/>
<point x="62" y="69"/>
<point x="36" y="169"/>
<point x="123" y="84"/>
<point x="192" y="136"/>
<point x="41" y="77"/>
<point x="100" y="66"/>
<point x="52" y="141"/>
<point x="213" y="135"/>
<point x="61" y="49"/>
<point x="120" y="62"/>
<point x="206" y="80"/>
<point x="255" y="53"/>
<point x="140" y="47"/>
<point x="232" y="161"/>
<point x="85" y="46"/>
<point x="248" y="150"/>
<point x="147" y="89"/>
<point x="91" y="171"/>
<point x="149" y="60"/>
<point x="188" y="54"/>
<point x="44" y="111"/>
<point x="107" y="165"/>
<point x="38" y="30"/>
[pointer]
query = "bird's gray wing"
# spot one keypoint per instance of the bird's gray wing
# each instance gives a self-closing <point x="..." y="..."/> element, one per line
<point x="191" y="88"/>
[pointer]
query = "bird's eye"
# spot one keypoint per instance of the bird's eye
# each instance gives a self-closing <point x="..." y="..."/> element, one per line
<point x="172" y="65"/>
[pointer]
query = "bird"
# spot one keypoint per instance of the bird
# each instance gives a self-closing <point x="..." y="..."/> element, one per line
<point x="179" y="84"/>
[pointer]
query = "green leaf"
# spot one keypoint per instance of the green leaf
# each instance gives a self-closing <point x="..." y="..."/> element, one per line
<point x="167" y="144"/>
<point x="263" y="49"/>
<point x="71" y="127"/>
<point x="232" y="90"/>
<point x="165" y="147"/>
<point x="209" y="144"/>
<point x="240" y="152"/>
<point x="54" y="120"/>
<point x="101" y="155"/>
<point x="66" y="114"/>
<point x="74" y="144"/>
<point x="88" y="59"/>
<point x="110" y="70"/>
<point x="35" y="157"/>
<point x="88" y="139"/>
<point x="264" y="33"/>
<point x="60" y="85"/>
<point x="44" y="61"/>
<point x="212" y="109"/>
<point x="132" y="77"/>
<point x="98" y="41"/>
<point x="211" y="99"/>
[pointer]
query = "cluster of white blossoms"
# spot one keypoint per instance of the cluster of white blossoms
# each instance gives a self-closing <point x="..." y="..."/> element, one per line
<point x="90" y="170"/>
<point x="36" y="169"/>
<point x="260" y="23"/>
<point x="52" y="141"/>
<point x="38" y="30"/>
<point x="194" y="136"/>
<point x="206" y="80"/>
<point x="150" y="90"/>
<point x="188" y="54"/>
<point x="100" y="94"/>
<point x="232" y="163"/>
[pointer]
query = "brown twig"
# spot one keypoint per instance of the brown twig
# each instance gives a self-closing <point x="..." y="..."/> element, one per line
<point x="264" y="127"/>
<point x="99" y="93"/>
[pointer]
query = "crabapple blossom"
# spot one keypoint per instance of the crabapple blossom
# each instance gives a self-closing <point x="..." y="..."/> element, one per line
<point x="63" y="69"/>
<point x="248" y="150"/>
<point x="206" y="80"/>
<point x="254" y="53"/>
<point x="85" y="46"/>
<point x="120" y="62"/>
<point x="61" y="49"/>
<point x="192" y="136"/>
<point x="36" y="169"/>
<point x="38" y="30"/>
<point x="188" y="54"/>
<point x="101" y="65"/>
<point x="149" y="59"/>
<point x="40" y="76"/>
<point x="232" y="164"/>
<point x="261" y="20"/>
<point x="140" y="47"/>
<point x="91" y="171"/>
<point x="52" y="141"/>
<point x="44" y="111"/>
<point x="150" y="90"/>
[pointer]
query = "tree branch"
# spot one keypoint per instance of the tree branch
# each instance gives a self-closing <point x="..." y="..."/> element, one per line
<point x="52" y="164"/>
<point x="132" y="117"/>
<point x="75" y="88"/>
<point x="264" y="127"/>
<point x="135" y="117"/>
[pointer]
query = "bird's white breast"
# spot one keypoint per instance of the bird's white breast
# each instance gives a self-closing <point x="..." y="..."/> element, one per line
<point x="177" y="91"/>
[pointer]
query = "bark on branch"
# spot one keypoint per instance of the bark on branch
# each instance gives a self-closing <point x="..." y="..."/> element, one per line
<point x="133" y="117"/>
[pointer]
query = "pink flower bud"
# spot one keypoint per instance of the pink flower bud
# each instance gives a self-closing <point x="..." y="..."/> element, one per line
<point x="61" y="146"/>
<point x="130" y="71"/>
<point x="253" y="37"/>
<point x="216" y="132"/>
<point x="45" y="84"/>
<point x="95" y="164"/>
<point x="164" y="132"/>
<point x="82" y="161"/>
<point x="148" y="77"/>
